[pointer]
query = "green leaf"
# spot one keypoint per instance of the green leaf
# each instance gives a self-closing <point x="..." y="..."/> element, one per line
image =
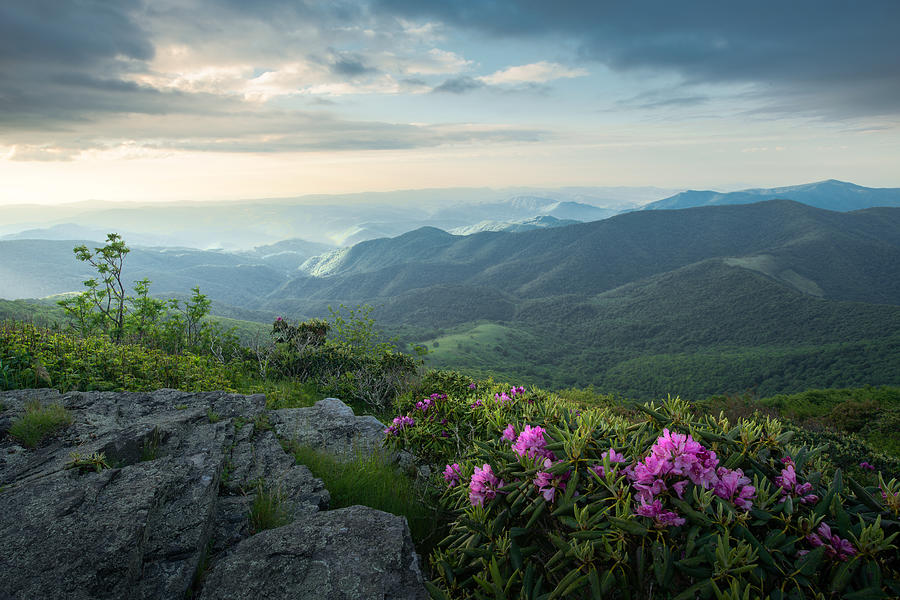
<point x="807" y="564"/>
<point x="663" y="564"/>
<point x="763" y="554"/>
<point x="537" y="513"/>
<point x="863" y="496"/>
<point x="689" y="512"/>
<point x="569" y="583"/>
<point x="691" y="592"/>
<point x="435" y="592"/>
<point x="869" y="593"/>
<point x="842" y="575"/>
<point x="629" y="526"/>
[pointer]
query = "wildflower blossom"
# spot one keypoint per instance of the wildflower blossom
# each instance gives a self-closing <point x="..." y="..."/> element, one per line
<point x="476" y="404"/>
<point x="531" y="443"/>
<point x="663" y="518"/>
<point x="835" y="546"/>
<point x="866" y="465"/>
<point x="452" y="475"/>
<point x="399" y="424"/>
<point x="548" y="484"/>
<point x="791" y="487"/>
<point x="483" y="485"/>
<point x="509" y="434"/>
<point x="735" y="486"/>
<point x="673" y="457"/>
<point x="502" y="398"/>
<point x="472" y="386"/>
<point x="613" y="456"/>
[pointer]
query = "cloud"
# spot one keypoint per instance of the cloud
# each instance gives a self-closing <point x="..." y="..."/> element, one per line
<point x="829" y="57"/>
<point x="459" y="85"/>
<point x="539" y="72"/>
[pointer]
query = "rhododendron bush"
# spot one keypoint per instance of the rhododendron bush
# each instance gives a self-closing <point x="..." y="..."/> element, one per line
<point x="553" y="502"/>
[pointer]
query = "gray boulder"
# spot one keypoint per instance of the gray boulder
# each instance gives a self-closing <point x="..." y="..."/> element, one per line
<point x="321" y="557"/>
<point x="174" y="495"/>
<point x="330" y="425"/>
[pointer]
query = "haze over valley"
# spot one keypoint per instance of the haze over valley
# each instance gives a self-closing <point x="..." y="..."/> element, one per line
<point x="733" y="283"/>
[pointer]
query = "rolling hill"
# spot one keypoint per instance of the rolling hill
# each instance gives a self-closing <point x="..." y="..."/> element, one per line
<point x="774" y="296"/>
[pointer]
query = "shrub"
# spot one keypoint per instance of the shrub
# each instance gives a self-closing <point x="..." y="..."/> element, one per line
<point x="550" y="501"/>
<point x="38" y="422"/>
<point x="75" y="363"/>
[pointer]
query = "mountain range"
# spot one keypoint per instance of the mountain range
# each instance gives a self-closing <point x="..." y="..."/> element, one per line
<point x="332" y="220"/>
<point x="772" y="296"/>
<point x="830" y="195"/>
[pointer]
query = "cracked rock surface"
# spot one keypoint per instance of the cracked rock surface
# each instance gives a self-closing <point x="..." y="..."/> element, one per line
<point x="175" y="498"/>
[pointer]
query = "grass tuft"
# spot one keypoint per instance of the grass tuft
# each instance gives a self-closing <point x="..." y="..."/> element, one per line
<point x="39" y="422"/>
<point x="370" y="480"/>
<point x="268" y="510"/>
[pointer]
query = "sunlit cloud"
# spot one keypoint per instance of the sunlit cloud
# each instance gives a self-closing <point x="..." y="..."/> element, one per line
<point x="539" y="72"/>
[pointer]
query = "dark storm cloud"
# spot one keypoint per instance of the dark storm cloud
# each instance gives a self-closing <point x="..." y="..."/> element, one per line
<point x="60" y="60"/>
<point x="808" y="53"/>
<point x="86" y="33"/>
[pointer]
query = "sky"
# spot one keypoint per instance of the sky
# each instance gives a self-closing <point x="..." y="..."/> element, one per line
<point x="133" y="100"/>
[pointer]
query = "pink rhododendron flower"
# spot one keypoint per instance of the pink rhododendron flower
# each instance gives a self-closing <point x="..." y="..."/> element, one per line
<point x="483" y="485"/>
<point x="452" y="475"/>
<point x="790" y="487"/>
<point x="547" y="483"/>
<point x="509" y="434"/>
<point x="399" y="424"/>
<point x="735" y="486"/>
<point x="865" y="465"/>
<point x="531" y="443"/>
<point x="501" y="398"/>
<point x="835" y="546"/>
<point x="476" y="404"/>
<point x="672" y="458"/>
<point x="472" y="386"/>
<point x="663" y="518"/>
<point x="613" y="456"/>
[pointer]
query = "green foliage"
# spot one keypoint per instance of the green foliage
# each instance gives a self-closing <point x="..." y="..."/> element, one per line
<point x="354" y="367"/>
<point x="38" y="422"/>
<point x="371" y="480"/>
<point x="261" y="423"/>
<point x="870" y="414"/>
<point x="561" y="527"/>
<point x="95" y="461"/>
<point x="75" y="363"/>
<point x="269" y="508"/>
<point x="150" y="447"/>
<point x="212" y="416"/>
<point x="101" y="306"/>
<point x="354" y="329"/>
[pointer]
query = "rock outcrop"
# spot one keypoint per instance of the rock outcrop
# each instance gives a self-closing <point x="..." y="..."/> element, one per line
<point x="167" y="515"/>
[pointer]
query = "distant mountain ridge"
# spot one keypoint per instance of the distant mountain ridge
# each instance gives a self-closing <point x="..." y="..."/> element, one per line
<point x="333" y="220"/>
<point x="829" y="195"/>
<point x="774" y="295"/>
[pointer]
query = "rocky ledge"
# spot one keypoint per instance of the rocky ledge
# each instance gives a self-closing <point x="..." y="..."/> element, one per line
<point x="167" y="515"/>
